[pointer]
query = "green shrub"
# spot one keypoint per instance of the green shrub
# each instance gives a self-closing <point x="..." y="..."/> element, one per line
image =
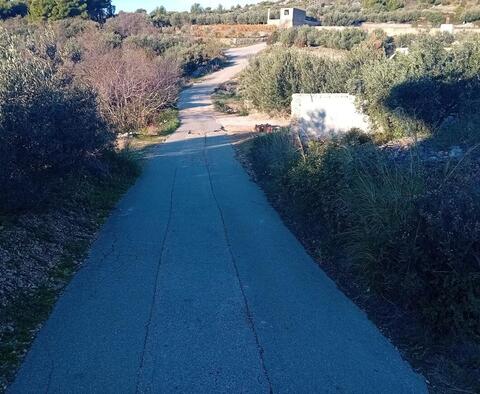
<point x="273" y="154"/>
<point x="156" y="44"/>
<point x="412" y="94"/>
<point x="312" y="37"/>
<point x="272" y="78"/>
<point x="471" y="15"/>
<point x="11" y="9"/>
<point x="435" y="18"/>
<point x="193" y="55"/>
<point x="49" y="127"/>
<point x="168" y="121"/>
<point x="415" y="93"/>
<point x="410" y="230"/>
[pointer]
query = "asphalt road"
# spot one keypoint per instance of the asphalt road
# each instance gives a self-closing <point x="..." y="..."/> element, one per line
<point x="195" y="285"/>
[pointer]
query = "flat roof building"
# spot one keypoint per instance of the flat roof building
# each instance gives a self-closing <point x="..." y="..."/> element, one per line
<point x="290" y="17"/>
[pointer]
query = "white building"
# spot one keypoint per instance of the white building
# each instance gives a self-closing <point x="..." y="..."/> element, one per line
<point x="290" y="17"/>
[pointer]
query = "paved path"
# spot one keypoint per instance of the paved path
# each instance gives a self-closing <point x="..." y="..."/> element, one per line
<point x="194" y="285"/>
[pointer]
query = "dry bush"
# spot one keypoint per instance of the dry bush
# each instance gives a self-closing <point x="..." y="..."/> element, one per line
<point x="132" y="87"/>
<point x="128" y="24"/>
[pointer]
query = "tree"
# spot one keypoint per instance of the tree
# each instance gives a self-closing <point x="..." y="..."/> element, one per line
<point x="159" y="17"/>
<point x="100" y="10"/>
<point x="97" y="10"/>
<point x="41" y="9"/>
<point x="69" y="8"/>
<point x="196" y="8"/>
<point x="159" y="11"/>
<point x="373" y="3"/>
<point x="10" y="9"/>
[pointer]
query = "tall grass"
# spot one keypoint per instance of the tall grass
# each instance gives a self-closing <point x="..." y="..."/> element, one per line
<point x="409" y="229"/>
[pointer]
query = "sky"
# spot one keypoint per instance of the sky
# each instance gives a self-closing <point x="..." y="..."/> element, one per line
<point x="173" y="5"/>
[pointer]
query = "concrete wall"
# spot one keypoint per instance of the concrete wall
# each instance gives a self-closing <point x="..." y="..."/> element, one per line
<point x="320" y="115"/>
<point x="298" y="17"/>
<point x="273" y="22"/>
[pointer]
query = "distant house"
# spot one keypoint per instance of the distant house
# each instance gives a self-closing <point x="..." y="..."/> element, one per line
<point x="290" y="17"/>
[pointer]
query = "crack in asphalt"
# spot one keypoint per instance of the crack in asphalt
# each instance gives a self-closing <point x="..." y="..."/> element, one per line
<point x="155" y="292"/>
<point x="248" y="312"/>
<point x="50" y="375"/>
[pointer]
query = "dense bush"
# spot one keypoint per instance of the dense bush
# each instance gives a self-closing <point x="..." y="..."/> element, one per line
<point x="271" y="78"/>
<point x="311" y="37"/>
<point x="134" y="67"/>
<point x="406" y="95"/>
<point x="137" y="30"/>
<point x="415" y="93"/>
<point x="97" y="10"/>
<point x="195" y="55"/>
<point x="246" y="15"/>
<point x="130" y="23"/>
<point x="11" y="9"/>
<point x="471" y="15"/>
<point x="49" y="126"/>
<point x="350" y="16"/>
<point x="131" y="87"/>
<point x="410" y="231"/>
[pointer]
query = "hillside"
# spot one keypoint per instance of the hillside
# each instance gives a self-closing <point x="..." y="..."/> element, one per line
<point x="328" y="12"/>
<point x="331" y="12"/>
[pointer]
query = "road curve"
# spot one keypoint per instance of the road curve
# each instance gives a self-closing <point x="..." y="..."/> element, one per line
<point x="195" y="285"/>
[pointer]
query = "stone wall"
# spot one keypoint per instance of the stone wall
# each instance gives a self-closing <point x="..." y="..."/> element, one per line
<point x="320" y="115"/>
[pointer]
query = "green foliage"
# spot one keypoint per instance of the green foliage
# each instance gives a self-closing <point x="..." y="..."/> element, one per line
<point x="192" y="54"/>
<point x="414" y="93"/>
<point x="390" y="5"/>
<point x="168" y="122"/>
<point x="338" y="16"/>
<point x="307" y="36"/>
<point x="273" y="154"/>
<point x="57" y="9"/>
<point x="206" y="16"/>
<point x="410" y="232"/>
<point x="471" y="15"/>
<point x="11" y="9"/>
<point x="100" y="10"/>
<point x="272" y="77"/>
<point x="61" y="9"/>
<point x="196" y="8"/>
<point x="49" y="126"/>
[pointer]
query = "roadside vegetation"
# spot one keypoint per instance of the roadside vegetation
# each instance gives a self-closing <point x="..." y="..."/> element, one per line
<point x="419" y="94"/>
<point x="394" y="215"/>
<point x="227" y="100"/>
<point x="307" y="36"/>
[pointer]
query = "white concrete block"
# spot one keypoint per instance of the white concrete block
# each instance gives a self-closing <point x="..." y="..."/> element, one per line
<point x="321" y="115"/>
